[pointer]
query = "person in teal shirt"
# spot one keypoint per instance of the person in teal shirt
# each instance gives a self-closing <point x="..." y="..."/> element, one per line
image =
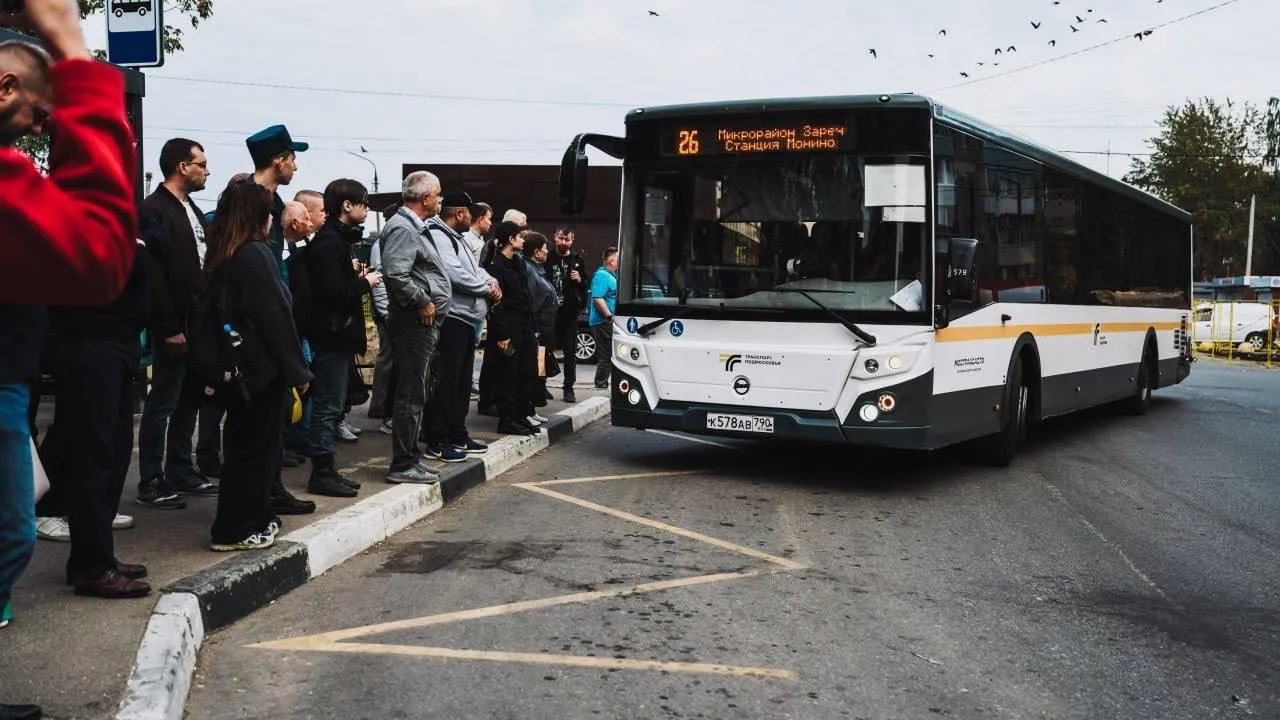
<point x="604" y="298"/>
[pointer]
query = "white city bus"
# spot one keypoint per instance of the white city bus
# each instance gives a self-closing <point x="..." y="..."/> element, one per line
<point x="879" y="270"/>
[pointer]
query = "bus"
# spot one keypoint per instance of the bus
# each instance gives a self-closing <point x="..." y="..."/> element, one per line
<point x="881" y="271"/>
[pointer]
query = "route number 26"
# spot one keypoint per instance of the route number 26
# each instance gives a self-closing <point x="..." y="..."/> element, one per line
<point x="689" y="144"/>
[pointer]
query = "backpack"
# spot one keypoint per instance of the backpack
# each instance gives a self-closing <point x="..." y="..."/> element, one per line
<point x="213" y="357"/>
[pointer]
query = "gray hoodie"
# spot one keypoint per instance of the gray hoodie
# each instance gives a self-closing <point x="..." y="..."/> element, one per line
<point x="470" y="282"/>
<point x="413" y="269"/>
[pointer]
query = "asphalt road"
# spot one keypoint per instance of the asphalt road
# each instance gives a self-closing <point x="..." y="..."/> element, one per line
<point x="1125" y="567"/>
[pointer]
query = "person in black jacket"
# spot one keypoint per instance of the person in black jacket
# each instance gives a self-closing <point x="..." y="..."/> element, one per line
<point x="241" y="269"/>
<point x="94" y="355"/>
<point x="567" y="272"/>
<point x="177" y="243"/>
<point x="335" y="327"/>
<point x="511" y="341"/>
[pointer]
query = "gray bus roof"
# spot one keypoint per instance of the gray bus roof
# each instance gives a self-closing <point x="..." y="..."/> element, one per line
<point x="943" y="113"/>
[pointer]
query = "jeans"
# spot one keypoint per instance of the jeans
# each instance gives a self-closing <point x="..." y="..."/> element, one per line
<point x="566" y="339"/>
<point x="384" y="368"/>
<point x="17" y="488"/>
<point x="89" y="446"/>
<point x="253" y="454"/>
<point x="168" y="420"/>
<point x="414" y="345"/>
<point x="455" y="362"/>
<point x="603" y="334"/>
<point x="328" y="398"/>
<point x="296" y="434"/>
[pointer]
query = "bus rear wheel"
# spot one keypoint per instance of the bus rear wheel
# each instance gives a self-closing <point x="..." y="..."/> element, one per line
<point x="1000" y="449"/>
<point x="1140" y="401"/>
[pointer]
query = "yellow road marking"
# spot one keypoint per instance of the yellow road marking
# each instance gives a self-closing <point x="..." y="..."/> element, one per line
<point x="634" y="476"/>
<point x="308" y="642"/>
<point x="788" y="564"/>
<point x="569" y="660"/>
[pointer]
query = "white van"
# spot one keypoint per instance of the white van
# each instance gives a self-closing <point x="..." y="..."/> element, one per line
<point x="1235" y="323"/>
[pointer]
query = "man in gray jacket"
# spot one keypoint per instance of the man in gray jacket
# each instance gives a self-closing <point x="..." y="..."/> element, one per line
<point x="446" y="423"/>
<point x="419" y="296"/>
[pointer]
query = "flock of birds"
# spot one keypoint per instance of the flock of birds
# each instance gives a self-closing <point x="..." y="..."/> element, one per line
<point x="1081" y="20"/>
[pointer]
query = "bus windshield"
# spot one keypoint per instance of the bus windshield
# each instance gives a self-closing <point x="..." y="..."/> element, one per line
<point x="747" y="232"/>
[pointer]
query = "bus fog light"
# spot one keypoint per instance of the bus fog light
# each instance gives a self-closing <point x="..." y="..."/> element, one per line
<point x="895" y="362"/>
<point x="869" y="413"/>
<point x="634" y="397"/>
<point x="871" y="365"/>
<point x="623" y="386"/>
<point x="887" y="402"/>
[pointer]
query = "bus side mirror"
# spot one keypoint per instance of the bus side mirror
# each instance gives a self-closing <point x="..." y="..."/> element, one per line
<point x="573" y="180"/>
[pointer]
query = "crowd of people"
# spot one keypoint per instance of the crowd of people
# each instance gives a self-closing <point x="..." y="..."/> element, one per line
<point x="252" y="316"/>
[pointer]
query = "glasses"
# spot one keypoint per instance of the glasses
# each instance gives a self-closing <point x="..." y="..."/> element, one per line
<point x="202" y="165"/>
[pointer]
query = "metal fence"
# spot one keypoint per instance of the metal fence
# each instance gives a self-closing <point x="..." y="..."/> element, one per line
<point x="1234" y="329"/>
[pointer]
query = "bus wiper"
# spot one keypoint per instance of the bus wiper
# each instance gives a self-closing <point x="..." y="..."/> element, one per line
<point x="647" y="329"/>
<point x="858" y="332"/>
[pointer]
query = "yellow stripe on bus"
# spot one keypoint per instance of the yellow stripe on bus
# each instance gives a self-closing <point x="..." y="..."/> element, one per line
<point x="996" y="332"/>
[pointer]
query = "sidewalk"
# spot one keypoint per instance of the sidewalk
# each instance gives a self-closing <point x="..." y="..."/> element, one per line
<point x="74" y="655"/>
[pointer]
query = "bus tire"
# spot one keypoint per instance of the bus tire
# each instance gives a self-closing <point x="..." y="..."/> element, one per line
<point x="1000" y="449"/>
<point x="1140" y="401"/>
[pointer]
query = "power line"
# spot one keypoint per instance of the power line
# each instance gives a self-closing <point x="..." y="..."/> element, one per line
<point x="1220" y="156"/>
<point x="1085" y="50"/>
<point x="390" y="93"/>
<point x="309" y="136"/>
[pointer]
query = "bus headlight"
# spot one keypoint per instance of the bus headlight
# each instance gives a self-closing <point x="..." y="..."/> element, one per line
<point x="633" y="397"/>
<point x="895" y="362"/>
<point x="629" y="353"/>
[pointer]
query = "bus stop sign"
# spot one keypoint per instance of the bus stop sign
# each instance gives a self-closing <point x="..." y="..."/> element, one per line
<point x="133" y="32"/>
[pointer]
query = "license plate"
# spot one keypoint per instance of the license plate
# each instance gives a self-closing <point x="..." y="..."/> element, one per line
<point x="740" y="423"/>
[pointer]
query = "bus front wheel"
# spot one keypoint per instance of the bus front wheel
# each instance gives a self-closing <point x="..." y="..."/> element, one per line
<point x="1000" y="449"/>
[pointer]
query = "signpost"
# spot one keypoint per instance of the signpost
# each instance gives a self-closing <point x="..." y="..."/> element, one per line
<point x="133" y="32"/>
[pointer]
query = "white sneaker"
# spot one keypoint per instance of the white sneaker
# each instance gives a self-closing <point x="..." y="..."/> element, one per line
<point x="56" y="529"/>
<point x="346" y="425"/>
<point x="386" y="428"/>
<point x="257" y="541"/>
<point x="121" y="522"/>
<point x="343" y="434"/>
<point x="536" y="419"/>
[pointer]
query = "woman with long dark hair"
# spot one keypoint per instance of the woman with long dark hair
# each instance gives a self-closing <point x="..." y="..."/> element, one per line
<point x="511" y="342"/>
<point x="545" y="307"/>
<point x="241" y="271"/>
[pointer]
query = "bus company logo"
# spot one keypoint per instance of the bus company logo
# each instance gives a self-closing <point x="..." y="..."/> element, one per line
<point x="741" y="385"/>
<point x="1097" y="330"/>
<point x="730" y="361"/>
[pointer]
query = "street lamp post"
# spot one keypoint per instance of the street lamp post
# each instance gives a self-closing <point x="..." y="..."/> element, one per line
<point x="377" y="214"/>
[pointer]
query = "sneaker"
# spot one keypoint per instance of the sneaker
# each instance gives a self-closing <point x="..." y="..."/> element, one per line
<point x="196" y="484"/>
<point x="344" y="434"/>
<point x="275" y="526"/>
<point x="534" y="421"/>
<point x="541" y="420"/>
<point x="475" y="392"/>
<point x="121" y="522"/>
<point x="256" y="541"/>
<point x="471" y="447"/>
<point x="156" y="493"/>
<point x="569" y="397"/>
<point x="56" y="529"/>
<point x="6" y="615"/>
<point x="446" y="454"/>
<point x="385" y="427"/>
<point x="351" y="428"/>
<point x="419" y="473"/>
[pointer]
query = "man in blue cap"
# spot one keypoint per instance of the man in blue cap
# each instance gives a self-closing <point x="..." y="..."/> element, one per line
<point x="275" y="160"/>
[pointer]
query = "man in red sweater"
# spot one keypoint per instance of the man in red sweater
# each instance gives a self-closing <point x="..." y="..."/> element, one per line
<point x="67" y="238"/>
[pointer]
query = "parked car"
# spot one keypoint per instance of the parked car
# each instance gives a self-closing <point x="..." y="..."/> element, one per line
<point x="1235" y="323"/>
<point x="587" y="342"/>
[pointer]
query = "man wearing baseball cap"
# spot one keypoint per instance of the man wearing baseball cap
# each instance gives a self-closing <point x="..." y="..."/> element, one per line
<point x="445" y="426"/>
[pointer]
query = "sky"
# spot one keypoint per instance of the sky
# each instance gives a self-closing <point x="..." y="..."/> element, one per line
<point x="512" y="81"/>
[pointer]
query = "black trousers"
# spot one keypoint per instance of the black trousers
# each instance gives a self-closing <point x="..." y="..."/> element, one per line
<point x="87" y="450"/>
<point x="446" y="412"/>
<point x="253" y="447"/>
<point x="515" y="376"/>
<point x="566" y="339"/>
<point x="209" y="436"/>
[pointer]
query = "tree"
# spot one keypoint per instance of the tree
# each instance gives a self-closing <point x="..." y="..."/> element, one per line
<point x="1209" y="158"/>
<point x="193" y="11"/>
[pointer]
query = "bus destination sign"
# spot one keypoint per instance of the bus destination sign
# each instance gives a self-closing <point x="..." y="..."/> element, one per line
<point x="778" y="138"/>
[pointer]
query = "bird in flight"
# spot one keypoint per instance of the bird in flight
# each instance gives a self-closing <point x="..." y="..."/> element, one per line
<point x="943" y="32"/>
<point x="1012" y="49"/>
<point x="873" y="53"/>
<point x="964" y="74"/>
<point x="654" y="13"/>
<point x="998" y="51"/>
<point x="930" y="55"/>
<point x="1074" y="28"/>
<point x="1035" y="24"/>
<point x="1079" y="19"/>
<point x="1053" y="43"/>
<point x="1102" y="20"/>
<point x="363" y="150"/>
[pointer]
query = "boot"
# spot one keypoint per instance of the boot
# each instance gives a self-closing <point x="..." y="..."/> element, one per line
<point x="284" y="502"/>
<point x="325" y="479"/>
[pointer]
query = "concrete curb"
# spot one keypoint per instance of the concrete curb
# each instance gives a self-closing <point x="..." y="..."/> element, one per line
<point x="230" y="590"/>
